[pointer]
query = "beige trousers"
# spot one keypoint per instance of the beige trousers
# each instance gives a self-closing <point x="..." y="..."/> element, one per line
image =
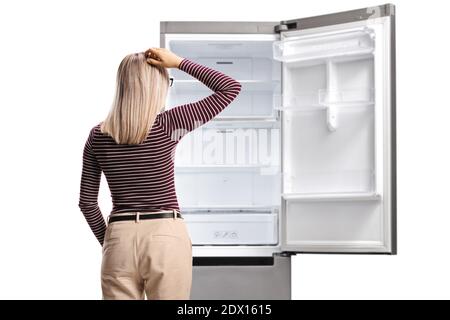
<point x="151" y="257"/>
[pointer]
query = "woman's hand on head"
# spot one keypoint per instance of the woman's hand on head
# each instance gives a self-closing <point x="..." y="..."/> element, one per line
<point x="162" y="57"/>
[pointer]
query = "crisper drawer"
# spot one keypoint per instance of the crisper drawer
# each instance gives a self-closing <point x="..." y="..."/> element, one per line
<point x="232" y="228"/>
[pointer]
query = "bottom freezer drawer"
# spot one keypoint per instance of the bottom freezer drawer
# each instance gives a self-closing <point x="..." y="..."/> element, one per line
<point x="241" y="281"/>
<point x="232" y="228"/>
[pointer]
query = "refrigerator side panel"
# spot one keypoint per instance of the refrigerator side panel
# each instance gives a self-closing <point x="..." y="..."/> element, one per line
<point x="393" y="134"/>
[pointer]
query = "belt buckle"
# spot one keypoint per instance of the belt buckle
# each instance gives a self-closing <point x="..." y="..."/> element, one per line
<point x="137" y="216"/>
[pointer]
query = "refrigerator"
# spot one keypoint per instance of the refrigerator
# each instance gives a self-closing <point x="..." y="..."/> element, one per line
<point x="304" y="159"/>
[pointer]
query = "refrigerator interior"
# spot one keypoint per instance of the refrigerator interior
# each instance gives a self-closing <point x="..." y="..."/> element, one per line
<point x="228" y="177"/>
<point x="331" y="137"/>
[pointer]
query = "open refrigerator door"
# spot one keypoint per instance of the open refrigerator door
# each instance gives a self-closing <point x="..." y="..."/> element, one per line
<point x="338" y="136"/>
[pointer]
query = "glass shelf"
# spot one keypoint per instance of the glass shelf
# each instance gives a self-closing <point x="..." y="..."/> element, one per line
<point x="224" y="167"/>
<point x="358" y="196"/>
<point x="229" y="209"/>
<point x="247" y="85"/>
<point x="242" y="124"/>
<point x="263" y="119"/>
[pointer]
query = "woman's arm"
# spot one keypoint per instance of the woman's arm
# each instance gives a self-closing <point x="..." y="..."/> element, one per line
<point x="89" y="188"/>
<point x="184" y="118"/>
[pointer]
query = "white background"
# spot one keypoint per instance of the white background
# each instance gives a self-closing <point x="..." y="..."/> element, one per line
<point x="57" y="72"/>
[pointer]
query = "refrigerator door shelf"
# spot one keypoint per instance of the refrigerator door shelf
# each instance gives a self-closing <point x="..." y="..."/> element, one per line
<point x="232" y="229"/>
<point x="323" y="98"/>
<point x="327" y="60"/>
<point x="333" y="225"/>
<point x="324" y="46"/>
<point x="332" y="111"/>
<point x="331" y="85"/>
<point x="349" y="97"/>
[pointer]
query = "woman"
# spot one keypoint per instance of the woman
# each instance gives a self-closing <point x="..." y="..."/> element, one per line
<point x="146" y="247"/>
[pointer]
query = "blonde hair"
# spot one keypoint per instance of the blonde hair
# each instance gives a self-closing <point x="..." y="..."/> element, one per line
<point x="141" y="91"/>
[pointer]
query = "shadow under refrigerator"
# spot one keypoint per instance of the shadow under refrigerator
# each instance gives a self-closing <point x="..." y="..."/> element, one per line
<point x="303" y="161"/>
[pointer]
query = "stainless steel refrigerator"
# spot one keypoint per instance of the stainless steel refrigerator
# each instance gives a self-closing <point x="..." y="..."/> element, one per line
<point x="303" y="161"/>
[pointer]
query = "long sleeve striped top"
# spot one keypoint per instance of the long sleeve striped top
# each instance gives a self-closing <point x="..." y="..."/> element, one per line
<point x="141" y="177"/>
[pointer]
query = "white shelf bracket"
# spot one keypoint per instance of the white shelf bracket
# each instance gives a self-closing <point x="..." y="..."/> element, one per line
<point x="332" y="122"/>
<point x="331" y="95"/>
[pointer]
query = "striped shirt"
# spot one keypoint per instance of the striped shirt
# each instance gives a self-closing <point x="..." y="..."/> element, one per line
<point x="141" y="177"/>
